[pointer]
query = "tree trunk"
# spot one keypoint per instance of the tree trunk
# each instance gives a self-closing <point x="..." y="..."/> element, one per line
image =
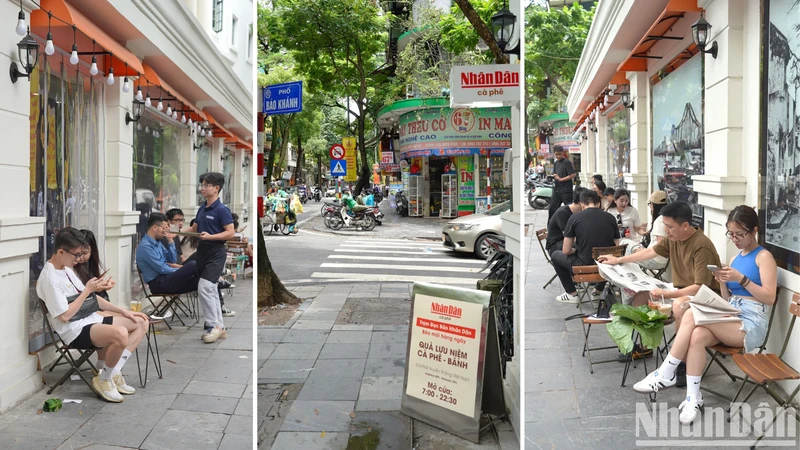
<point x="273" y="147"/>
<point x="363" y="177"/>
<point x="298" y="168"/>
<point x="483" y="31"/>
<point x="319" y="171"/>
<point x="270" y="289"/>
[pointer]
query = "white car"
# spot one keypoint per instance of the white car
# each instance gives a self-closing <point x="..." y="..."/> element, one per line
<point x="469" y="233"/>
<point x="330" y="192"/>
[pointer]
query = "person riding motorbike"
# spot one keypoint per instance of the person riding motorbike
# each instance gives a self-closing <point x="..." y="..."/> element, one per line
<point x="349" y="202"/>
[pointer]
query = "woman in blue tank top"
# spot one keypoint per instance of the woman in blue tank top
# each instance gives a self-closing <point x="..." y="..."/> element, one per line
<point x="749" y="284"/>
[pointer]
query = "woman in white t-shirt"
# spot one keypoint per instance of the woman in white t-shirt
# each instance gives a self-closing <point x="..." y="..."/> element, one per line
<point x="82" y="327"/>
<point x="658" y="199"/>
<point x="630" y="226"/>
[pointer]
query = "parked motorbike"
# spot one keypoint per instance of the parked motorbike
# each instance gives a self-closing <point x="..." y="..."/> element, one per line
<point x="363" y="219"/>
<point x="402" y="204"/>
<point x="376" y="212"/>
<point x="541" y="193"/>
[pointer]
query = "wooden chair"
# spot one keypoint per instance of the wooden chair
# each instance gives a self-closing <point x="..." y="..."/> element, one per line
<point x="65" y="353"/>
<point x="583" y="287"/>
<point x="585" y="275"/>
<point x="541" y="235"/>
<point x="721" y="351"/>
<point x="767" y="368"/>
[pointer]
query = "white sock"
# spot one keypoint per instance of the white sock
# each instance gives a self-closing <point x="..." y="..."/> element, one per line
<point x="100" y="364"/>
<point x="122" y="360"/>
<point x="693" y="387"/>
<point x="668" y="367"/>
<point x="106" y="373"/>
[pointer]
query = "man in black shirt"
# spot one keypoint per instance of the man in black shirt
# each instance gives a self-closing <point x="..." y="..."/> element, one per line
<point x="585" y="230"/>
<point x="558" y="223"/>
<point x="563" y="174"/>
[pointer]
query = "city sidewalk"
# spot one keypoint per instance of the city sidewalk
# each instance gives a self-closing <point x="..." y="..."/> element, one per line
<point x="566" y="407"/>
<point x="204" y="401"/>
<point x="393" y="226"/>
<point x="332" y="376"/>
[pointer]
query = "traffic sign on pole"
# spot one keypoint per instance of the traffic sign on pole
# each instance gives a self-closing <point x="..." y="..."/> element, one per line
<point x="338" y="168"/>
<point x="337" y="151"/>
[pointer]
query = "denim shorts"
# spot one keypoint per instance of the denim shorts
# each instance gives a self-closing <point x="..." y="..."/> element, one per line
<point x="755" y="320"/>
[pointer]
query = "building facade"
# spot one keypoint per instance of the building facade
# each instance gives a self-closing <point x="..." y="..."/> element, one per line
<point x="716" y="131"/>
<point x="73" y="159"/>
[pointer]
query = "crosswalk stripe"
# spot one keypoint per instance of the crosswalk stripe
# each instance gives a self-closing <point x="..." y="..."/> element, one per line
<point x="434" y="247"/>
<point x="399" y="267"/>
<point x="385" y="252"/>
<point x="381" y="278"/>
<point x="419" y="260"/>
<point x="395" y="241"/>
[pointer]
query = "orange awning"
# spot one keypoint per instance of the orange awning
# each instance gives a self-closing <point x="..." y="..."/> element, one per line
<point x="150" y="78"/>
<point x="87" y="31"/>
<point x="217" y="128"/>
<point x="660" y="30"/>
<point x="180" y="98"/>
<point x="239" y="143"/>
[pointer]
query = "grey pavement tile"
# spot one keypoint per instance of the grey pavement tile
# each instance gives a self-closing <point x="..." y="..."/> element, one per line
<point x="402" y="295"/>
<point x="391" y="328"/>
<point x="549" y="358"/>
<point x="541" y="406"/>
<point x="205" y="403"/>
<point x="137" y="409"/>
<point x="306" y="336"/>
<point x="285" y="371"/>
<point x="326" y="314"/>
<point x="313" y="325"/>
<point x="180" y="439"/>
<point x="548" y="339"/>
<point x="345" y="368"/>
<point x="193" y="420"/>
<point x="245" y="406"/>
<point x="540" y="379"/>
<point x="226" y="366"/>
<point x="349" y="337"/>
<point x="296" y="351"/>
<point x="236" y="441"/>
<point x="265" y="350"/>
<point x="319" y="416"/>
<point x="381" y="388"/>
<point x="215" y="389"/>
<point x="545" y="325"/>
<point x="344" y="351"/>
<point x="378" y="405"/>
<point x="167" y="385"/>
<point x="270" y="334"/>
<point x="108" y="432"/>
<point x="238" y="340"/>
<point x="352" y="328"/>
<point x="242" y="425"/>
<point x="293" y="440"/>
<point x="321" y="386"/>
<point x="385" y="367"/>
<point x="385" y="350"/>
<point x="390" y="337"/>
<point x="92" y="447"/>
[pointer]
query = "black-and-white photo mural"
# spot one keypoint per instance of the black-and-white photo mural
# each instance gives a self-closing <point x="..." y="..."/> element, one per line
<point x="780" y="164"/>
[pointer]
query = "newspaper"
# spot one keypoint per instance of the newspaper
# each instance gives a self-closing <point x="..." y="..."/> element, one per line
<point x="708" y="307"/>
<point x="630" y="276"/>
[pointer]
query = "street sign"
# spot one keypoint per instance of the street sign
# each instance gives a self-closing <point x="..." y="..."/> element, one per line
<point x="338" y="168"/>
<point x="349" y="144"/>
<point x="337" y="151"/>
<point x="284" y="98"/>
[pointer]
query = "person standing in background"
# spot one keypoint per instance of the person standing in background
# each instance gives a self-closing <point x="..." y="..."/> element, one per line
<point x="563" y="174"/>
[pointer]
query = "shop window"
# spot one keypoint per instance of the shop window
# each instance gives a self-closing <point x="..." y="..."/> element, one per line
<point x="678" y="136"/>
<point x="619" y="147"/>
<point x="65" y="176"/>
<point x="780" y="155"/>
<point x="216" y="18"/>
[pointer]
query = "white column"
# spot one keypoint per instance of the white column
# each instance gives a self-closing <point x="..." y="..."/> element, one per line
<point x="601" y="148"/>
<point x="239" y="200"/>
<point x="723" y="186"/>
<point x="188" y="175"/>
<point x="121" y="219"/>
<point x="637" y="179"/>
<point x="588" y="157"/>
<point x="217" y="145"/>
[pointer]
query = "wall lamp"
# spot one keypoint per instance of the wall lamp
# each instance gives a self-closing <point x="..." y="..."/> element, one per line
<point x="28" y="55"/>
<point x="700" y="36"/>
<point x="503" y="23"/>
<point x="626" y="99"/>
<point x="138" y="110"/>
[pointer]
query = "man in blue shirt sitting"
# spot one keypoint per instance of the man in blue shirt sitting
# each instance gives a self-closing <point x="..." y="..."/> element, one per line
<point x="152" y="257"/>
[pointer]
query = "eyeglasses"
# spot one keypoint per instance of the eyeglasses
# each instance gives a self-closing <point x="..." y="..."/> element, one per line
<point x="74" y="255"/>
<point x="206" y="186"/>
<point x="649" y="203"/>
<point x="177" y="220"/>
<point x="735" y="236"/>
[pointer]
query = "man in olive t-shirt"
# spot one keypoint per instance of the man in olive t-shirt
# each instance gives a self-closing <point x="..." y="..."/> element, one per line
<point x="689" y="252"/>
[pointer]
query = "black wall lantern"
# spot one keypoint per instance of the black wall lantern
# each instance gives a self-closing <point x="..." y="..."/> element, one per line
<point x="503" y="23"/>
<point x="626" y="99"/>
<point x="138" y="110"/>
<point x="28" y="56"/>
<point x="592" y="126"/>
<point x="700" y="36"/>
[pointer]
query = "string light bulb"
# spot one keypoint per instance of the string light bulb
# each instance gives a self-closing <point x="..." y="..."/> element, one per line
<point x="110" y="77"/>
<point x="21" y="28"/>
<point x="169" y="109"/>
<point x="147" y="101"/>
<point x="49" y="48"/>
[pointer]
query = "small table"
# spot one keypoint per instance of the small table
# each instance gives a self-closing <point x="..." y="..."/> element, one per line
<point x="156" y="356"/>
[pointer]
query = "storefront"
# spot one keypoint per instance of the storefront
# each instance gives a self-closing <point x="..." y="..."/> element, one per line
<point x="455" y="159"/>
<point x="556" y="129"/>
<point x="712" y="123"/>
<point x="82" y="153"/>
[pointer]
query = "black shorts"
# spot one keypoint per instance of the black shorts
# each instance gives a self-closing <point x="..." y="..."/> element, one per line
<point x="84" y="341"/>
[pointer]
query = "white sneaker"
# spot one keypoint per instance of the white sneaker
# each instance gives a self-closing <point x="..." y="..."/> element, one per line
<point x="107" y="389"/>
<point x="228" y="312"/>
<point x="566" y="298"/>
<point x="122" y="386"/>
<point x="213" y="335"/>
<point x="654" y="382"/>
<point x="689" y="409"/>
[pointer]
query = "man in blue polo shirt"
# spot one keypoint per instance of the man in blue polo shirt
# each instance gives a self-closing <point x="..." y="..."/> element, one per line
<point x="214" y="222"/>
<point x="152" y="258"/>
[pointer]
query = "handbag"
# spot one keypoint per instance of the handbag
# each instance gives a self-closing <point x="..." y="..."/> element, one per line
<point x="607" y="300"/>
<point x="88" y="307"/>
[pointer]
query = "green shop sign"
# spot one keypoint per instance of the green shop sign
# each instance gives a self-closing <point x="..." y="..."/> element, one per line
<point x="454" y="132"/>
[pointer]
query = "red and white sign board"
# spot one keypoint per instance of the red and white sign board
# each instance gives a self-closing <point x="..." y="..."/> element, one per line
<point x="387" y="158"/>
<point x="337" y="151"/>
<point x="488" y="83"/>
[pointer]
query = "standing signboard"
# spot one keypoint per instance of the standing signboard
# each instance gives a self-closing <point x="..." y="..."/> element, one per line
<point x="446" y="357"/>
<point x="349" y="144"/>
<point x="284" y="98"/>
<point x="494" y="82"/>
